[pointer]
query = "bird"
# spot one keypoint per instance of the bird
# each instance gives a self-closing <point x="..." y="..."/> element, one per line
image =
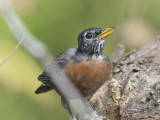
<point x="85" y="66"/>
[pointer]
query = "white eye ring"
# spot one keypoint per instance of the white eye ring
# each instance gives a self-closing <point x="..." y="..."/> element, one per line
<point x="88" y="35"/>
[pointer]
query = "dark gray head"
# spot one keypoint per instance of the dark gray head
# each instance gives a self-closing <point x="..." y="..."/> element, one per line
<point x="92" y="40"/>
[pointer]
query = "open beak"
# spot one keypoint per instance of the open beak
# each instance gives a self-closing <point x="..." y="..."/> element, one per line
<point x="105" y="33"/>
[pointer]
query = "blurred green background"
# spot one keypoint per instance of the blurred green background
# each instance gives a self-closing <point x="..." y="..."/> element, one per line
<point x="57" y="23"/>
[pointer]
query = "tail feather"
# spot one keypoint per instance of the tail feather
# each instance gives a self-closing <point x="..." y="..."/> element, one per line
<point x="43" y="89"/>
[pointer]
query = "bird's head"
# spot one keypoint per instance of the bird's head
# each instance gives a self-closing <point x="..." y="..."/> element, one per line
<point x="92" y="40"/>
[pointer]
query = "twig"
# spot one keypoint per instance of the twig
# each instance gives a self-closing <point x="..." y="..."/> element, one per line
<point x="32" y="44"/>
<point x="117" y="54"/>
<point x="39" y="51"/>
<point x="12" y="52"/>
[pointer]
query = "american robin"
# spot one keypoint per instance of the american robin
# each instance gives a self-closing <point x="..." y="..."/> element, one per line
<point x="86" y="66"/>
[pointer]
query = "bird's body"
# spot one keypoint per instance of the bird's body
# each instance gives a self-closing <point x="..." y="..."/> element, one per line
<point x="88" y="73"/>
<point x="85" y="66"/>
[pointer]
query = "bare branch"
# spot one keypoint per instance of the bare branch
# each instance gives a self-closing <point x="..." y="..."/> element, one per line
<point x="39" y="50"/>
<point x="133" y="91"/>
<point x="69" y="91"/>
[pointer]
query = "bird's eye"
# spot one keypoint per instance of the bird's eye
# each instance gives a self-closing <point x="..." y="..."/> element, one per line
<point x="88" y="35"/>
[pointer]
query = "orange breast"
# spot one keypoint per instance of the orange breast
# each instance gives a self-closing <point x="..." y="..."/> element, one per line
<point x="89" y="76"/>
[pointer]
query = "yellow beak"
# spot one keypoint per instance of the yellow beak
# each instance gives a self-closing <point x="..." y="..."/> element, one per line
<point x="105" y="33"/>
